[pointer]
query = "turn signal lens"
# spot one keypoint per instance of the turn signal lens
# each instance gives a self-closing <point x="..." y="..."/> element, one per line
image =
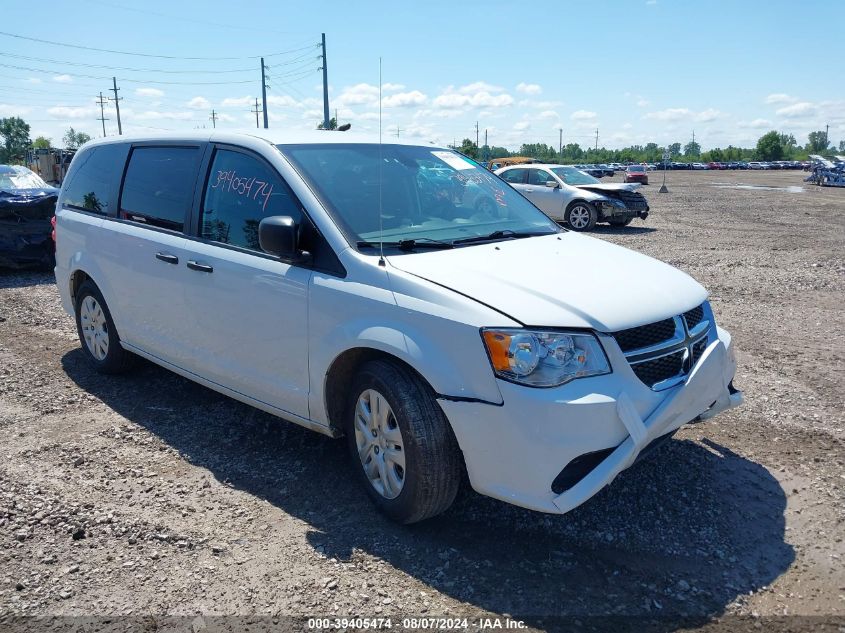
<point x="542" y="358"/>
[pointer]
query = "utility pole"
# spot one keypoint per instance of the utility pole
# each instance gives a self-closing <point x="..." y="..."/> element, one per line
<point x="486" y="147"/>
<point x="597" y="139"/>
<point x="117" y="101"/>
<point x="826" y="139"/>
<point x="213" y="118"/>
<point x="256" y="112"/>
<point x="102" y="101"/>
<point x="560" y="144"/>
<point x="476" y="136"/>
<point x="264" y="92"/>
<point x="398" y="129"/>
<point x="325" y="69"/>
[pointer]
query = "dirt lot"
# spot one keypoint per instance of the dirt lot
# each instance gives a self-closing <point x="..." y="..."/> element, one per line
<point x="149" y="495"/>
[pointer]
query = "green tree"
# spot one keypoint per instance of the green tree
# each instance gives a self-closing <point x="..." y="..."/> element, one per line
<point x="692" y="150"/>
<point x="818" y="142"/>
<point x="769" y="146"/>
<point x="842" y="146"/>
<point x="332" y="125"/>
<point x="499" y="152"/>
<point x="42" y="142"/>
<point x="468" y="148"/>
<point x="74" y="140"/>
<point x="675" y="150"/>
<point x="15" y="133"/>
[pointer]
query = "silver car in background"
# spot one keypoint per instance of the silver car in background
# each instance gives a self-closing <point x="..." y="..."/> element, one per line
<point x="570" y="196"/>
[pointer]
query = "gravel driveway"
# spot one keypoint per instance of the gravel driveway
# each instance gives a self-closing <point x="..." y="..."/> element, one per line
<point x="147" y="495"/>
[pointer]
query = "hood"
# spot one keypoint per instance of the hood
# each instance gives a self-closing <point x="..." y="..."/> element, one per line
<point x="561" y="280"/>
<point x="611" y="186"/>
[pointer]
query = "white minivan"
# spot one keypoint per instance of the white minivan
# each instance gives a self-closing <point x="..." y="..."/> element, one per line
<point x="399" y="295"/>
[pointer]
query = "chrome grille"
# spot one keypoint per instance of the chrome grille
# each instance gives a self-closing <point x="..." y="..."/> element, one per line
<point x="662" y="354"/>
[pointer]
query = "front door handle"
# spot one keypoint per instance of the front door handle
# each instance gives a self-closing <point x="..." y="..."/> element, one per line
<point x="166" y="257"/>
<point x="203" y="268"/>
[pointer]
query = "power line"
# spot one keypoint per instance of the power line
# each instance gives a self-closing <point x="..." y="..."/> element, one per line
<point x="126" y="68"/>
<point x="135" y="54"/>
<point x="134" y="81"/>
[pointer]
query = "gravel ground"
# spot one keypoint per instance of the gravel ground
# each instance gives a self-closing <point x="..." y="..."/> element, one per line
<point x="148" y="495"/>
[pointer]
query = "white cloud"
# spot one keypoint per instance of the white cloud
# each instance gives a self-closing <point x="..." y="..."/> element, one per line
<point x="33" y="80"/>
<point x="199" y="103"/>
<point x="796" y="110"/>
<point x="149" y="92"/>
<point x="651" y="2"/>
<point x="238" y="102"/>
<point x="478" y="95"/>
<point x="63" y="79"/>
<point x="279" y="100"/>
<point x="756" y="124"/>
<point x="780" y="97"/>
<point x="529" y="89"/>
<point x="548" y="114"/>
<point x="522" y="126"/>
<point x="583" y="115"/>
<point x="641" y="103"/>
<point x="151" y="115"/>
<point x="359" y="94"/>
<point x="404" y="99"/>
<point x="388" y="87"/>
<point x="64" y="112"/>
<point x="479" y="86"/>
<point x="7" y="109"/>
<point x="684" y="114"/>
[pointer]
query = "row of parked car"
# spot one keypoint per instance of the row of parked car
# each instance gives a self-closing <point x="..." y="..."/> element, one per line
<point x="610" y="169"/>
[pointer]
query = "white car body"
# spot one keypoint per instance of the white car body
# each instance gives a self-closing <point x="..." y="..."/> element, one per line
<point x="268" y="333"/>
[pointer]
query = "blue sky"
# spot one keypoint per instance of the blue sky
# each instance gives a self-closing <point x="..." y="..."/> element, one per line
<point x="636" y="70"/>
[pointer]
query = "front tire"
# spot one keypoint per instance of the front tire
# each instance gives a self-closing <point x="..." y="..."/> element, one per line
<point x="581" y="216"/>
<point x="97" y="333"/>
<point x="402" y="447"/>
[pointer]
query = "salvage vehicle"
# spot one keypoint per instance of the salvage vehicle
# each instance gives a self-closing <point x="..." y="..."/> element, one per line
<point x="319" y="279"/>
<point x="570" y="196"/>
<point x="27" y="205"/>
<point x="636" y="173"/>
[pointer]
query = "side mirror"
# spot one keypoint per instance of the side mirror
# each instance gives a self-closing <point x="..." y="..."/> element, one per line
<point x="277" y="235"/>
<point x="553" y="184"/>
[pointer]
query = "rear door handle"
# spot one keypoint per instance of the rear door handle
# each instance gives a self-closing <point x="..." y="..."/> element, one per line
<point x="165" y="257"/>
<point x="203" y="268"/>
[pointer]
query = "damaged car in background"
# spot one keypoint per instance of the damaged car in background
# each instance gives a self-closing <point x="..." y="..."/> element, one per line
<point x="27" y="207"/>
<point x="570" y="196"/>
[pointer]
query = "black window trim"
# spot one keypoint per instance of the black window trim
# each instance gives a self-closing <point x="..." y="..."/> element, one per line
<point x="202" y="146"/>
<point x="193" y="233"/>
<point x="112" y="198"/>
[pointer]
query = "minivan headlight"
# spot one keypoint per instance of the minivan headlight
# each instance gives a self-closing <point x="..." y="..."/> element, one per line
<point x="539" y="358"/>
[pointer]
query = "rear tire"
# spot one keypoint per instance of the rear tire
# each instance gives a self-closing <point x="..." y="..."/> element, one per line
<point x="581" y="216"/>
<point x="401" y="444"/>
<point x="97" y="333"/>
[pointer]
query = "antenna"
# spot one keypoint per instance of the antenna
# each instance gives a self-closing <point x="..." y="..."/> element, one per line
<point x="380" y="165"/>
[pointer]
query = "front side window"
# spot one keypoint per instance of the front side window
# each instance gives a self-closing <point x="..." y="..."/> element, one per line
<point x="572" y="176"/>
<point x="159" y="186"/>
<point x="399" y="193"/>
<point x="538" y="177"/>
<point x="240" y="192"/>
<point x="95" y="173"/>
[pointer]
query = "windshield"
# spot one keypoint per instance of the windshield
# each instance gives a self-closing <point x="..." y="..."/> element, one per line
<point x="424" y="194"/>
<point x="636" y="168"/>
<point x="13" y="178"/>
<point x="572" y="176"/>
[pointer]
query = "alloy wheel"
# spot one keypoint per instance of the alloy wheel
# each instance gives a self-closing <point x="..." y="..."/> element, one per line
<point x="579" y="217"/>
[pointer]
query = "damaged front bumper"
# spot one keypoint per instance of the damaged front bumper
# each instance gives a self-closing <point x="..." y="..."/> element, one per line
<point x="516" y="452"/>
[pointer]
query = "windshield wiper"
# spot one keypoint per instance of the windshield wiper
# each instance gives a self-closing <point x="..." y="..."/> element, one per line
<point x="409" y="244"/>
<point x="500" y="235"/>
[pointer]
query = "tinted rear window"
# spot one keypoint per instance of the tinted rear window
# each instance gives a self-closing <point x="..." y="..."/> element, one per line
<point x="94" y="175"/>
<point x="159" y="186"/>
